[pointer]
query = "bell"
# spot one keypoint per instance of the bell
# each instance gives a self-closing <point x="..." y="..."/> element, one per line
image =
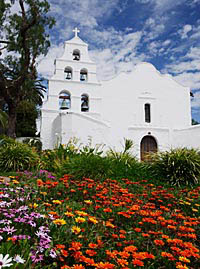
<point x="83" y="77"/>
<point x="84" y="106"/>
<point x="76" y="57"/>
<point x="69" y="75"/>
<point x="64" y="105"/>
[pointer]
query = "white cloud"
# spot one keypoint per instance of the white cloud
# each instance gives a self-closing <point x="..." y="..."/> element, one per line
<point x="189" y="79"/>
<point x="185" y="30"/>
<point x="120" y="56"/>
<point x="46" y="64"/>
<point x="86" y="13"/>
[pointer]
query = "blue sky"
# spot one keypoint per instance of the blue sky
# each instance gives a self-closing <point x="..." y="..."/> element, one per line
<point x="122" y="33"/>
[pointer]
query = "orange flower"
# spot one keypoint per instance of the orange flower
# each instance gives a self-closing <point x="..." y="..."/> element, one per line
<point x="138" y="262"/>
<point x="105" y="265"/>
<point x="138" y="230"/>
<point x="159" y="242"/>
<point x="40" y="182"/>
<point x="107" y="210"/>
<point x="130" y="249"/>
<point x="69" y="214"/>
<point x="145" y="235"/>
<point x="91" y="252"/>
<point x="78" y="266"/>
<point x="122" y="262"/>
<point x="167" y="255"/>
<point x="65" y="267"/>
<point x="60" y="246"/>
<point x="184" y="259"/>
<point x="75" y="246"/>
<point x="64" y="252"/>
<point x="91" y="245"/>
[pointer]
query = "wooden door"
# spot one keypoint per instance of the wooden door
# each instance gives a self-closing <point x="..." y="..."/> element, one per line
<point x="148" y="145"/>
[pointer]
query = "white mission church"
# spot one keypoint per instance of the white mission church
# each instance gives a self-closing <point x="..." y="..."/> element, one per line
<point x="145" y="106"/>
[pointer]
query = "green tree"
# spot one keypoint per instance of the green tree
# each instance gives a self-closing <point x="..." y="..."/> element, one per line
<point x="194" y="122"/>
<point x="24" y="37"/>
<point x="27" y="114"/>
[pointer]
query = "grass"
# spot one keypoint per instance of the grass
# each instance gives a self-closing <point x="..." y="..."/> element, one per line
<point x="106" y="223"/>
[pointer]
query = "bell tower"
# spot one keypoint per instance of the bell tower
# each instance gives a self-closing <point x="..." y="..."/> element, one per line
<point x="73" y="89"/>
<point x="74" y="76"/>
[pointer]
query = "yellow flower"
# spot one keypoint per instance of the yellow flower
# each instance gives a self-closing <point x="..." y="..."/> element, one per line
<point x="189" y="199"/>
<point x="187" y="203"/>
<point x="197" y="205"/>
<point x="81" y="213"/>
<point x="43" y="192"/>
<point x="59" y="221"/>
<point x="33" y="205"/>
<point x="80" y="220"/>
<point x="57" y="202"/>
<point x="88" y="202"/>
<point x="76" y="229"/>
<point x="194" y="210"/>
<point x="15" y="181"/>
<point x="93" y="220"/>
<point x="181" y="266"/>
<point x="109" y="224"/>
<point x="183" y="259"/>
<point x="69" y="214"/>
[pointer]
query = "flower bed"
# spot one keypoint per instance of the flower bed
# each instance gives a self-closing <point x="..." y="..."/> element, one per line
<point x="68" y="223"/>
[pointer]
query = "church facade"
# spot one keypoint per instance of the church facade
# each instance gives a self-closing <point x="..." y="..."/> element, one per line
<point x="151" y="109"/>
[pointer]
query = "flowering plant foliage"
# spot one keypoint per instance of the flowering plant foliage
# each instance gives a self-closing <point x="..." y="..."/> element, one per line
<point x="69" y="223"/>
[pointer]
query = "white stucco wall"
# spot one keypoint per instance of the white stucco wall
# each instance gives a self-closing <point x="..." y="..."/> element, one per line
<point x="188" y="137"/>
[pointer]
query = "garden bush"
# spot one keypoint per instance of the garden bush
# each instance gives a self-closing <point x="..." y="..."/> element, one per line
<point x="179" y="166"/>
<point x="17" y="156"/>
<point x="87" y="165"/>
<point x="34" y="142"/>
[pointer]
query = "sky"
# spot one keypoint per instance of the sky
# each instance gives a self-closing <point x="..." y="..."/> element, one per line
<point x="122" y="33"/>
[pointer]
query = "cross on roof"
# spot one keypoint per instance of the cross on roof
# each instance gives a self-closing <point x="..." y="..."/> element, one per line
<point x="76" y="31"/>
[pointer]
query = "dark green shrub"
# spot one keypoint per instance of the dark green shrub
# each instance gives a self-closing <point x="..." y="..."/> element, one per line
<point x="52" y="160"/>
<point x="87" y="165"/>
<point x="6" y="140"/>
<point x="16" y="156"/>
<point x="33" y="142"/>
<point x="179" y="166"/>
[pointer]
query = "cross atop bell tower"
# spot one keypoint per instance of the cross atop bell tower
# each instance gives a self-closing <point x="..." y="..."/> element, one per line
<point x="76" y="31"/>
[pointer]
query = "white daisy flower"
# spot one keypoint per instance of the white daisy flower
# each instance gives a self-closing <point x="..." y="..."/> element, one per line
<point x="18" y="259"/>
<point x="5" y="261"/>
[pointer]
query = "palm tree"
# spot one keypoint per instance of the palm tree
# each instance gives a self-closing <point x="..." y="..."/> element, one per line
<point x="3" y="119"/>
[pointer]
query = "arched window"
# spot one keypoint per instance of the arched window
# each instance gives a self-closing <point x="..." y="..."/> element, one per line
<point x="65" y="100"/>
<point x="83" y="75"/>
<point x="84" y="103"/>
<point x="147" y="110"/>
<point x="68" y="73"/>
<point x="76" y="55"/>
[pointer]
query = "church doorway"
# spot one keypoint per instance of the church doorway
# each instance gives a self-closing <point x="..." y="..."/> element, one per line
<point x="148" y="145"/>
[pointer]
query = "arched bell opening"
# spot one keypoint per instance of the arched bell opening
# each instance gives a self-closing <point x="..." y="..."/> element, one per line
<point x="76" y="55"/>
<point x="68" y="73"/>
<point x="148" y="146"/>
<point x="64" y="100"/>
<point x="84" y="103"/>
<point x="83" y="75"/>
